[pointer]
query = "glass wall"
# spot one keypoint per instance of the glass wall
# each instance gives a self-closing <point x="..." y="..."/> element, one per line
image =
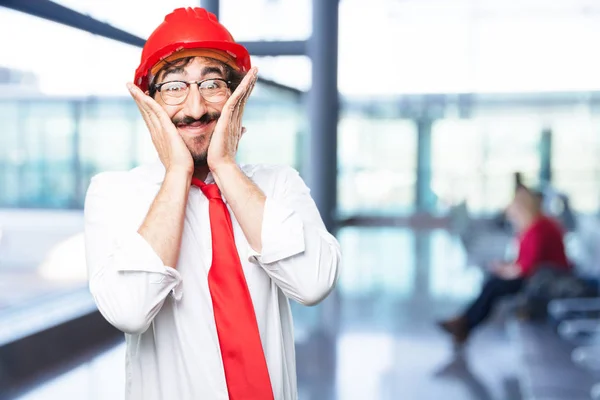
<point x="377" y="165"/>
<point x="575" y="157"/>
<point x="52" y="146"/>
<point x="470" y="151"/>
<point x="475" y="159"/>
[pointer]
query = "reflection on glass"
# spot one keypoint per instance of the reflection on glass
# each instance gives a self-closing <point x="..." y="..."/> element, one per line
<point x="450" y="276"/>
<point x="377" y="261"/>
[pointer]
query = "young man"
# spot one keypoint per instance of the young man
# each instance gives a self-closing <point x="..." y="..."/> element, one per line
<point x="540" y="243"/>
<point x="195" y="257"/>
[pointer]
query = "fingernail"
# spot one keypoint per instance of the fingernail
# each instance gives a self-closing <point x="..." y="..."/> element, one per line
<point x="129" y="86"/>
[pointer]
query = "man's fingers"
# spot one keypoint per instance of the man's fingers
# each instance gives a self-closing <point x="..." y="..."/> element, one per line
<point x="147" y="102"/>
<point x="143" y="104"/>
<point x="153" y="111"/>
<point x="138" y="96"/>
<point x="250" y="86"/>
<point x="240" y="91"/>
<point x="248" y="92"/>
<point x="146" y="115"/>
<point x="236" y="108"/>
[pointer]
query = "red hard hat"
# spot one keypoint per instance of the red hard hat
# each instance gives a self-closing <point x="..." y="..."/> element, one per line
<point x="189" y="28"/>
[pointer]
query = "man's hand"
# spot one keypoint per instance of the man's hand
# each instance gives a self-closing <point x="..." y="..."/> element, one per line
<point x="172" y="151"/>
<point x="228" y="130"/>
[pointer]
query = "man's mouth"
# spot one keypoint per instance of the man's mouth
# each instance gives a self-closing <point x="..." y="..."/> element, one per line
<point x="205" y="121"/>
<point x="196" y="124"/>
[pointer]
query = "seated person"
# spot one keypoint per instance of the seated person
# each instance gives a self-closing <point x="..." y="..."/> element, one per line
<point x="540" y="243"/>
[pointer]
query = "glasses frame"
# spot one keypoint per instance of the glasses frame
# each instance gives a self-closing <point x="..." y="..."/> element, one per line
<point x="159" y="86"/>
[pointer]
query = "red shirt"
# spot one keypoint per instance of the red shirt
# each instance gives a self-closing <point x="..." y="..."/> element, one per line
<point x="541" y="243"/>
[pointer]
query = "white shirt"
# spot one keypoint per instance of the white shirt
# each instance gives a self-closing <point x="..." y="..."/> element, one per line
<point x="166" y="313"/>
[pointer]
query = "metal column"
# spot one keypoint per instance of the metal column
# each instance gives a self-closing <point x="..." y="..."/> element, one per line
<point x="323" y="110"/>
<point x="424" y="195"/>
<point x="546" y="157"/>
<point x="211" y="6"/>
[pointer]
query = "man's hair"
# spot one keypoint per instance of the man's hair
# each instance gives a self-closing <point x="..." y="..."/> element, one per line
<point x="229" y="74"/>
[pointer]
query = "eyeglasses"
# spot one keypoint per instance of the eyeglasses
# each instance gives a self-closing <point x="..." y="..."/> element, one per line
<point x="214" y="90"/>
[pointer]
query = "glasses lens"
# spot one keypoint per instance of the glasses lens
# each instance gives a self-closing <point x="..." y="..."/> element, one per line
<point x="214" y="90"/>
<point x="173" y="92"/>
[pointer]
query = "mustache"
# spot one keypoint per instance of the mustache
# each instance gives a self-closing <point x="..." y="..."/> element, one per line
<point x="205" y="119"/>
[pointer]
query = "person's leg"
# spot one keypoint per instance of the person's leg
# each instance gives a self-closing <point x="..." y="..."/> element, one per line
<point x="494" y="289"/>
<point x="461" y="326"/>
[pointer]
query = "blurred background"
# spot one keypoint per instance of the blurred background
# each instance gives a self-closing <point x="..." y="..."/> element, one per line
<point x="407" y="118"/>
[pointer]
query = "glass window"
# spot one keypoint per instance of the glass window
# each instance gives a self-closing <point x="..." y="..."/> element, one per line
<point x="48" y="146"/>
<point x="66" y="61"/>
<point x="370" y="266"/>
<point x="267" y="19"/>
<point x="450" y="277"/>
<point x="486" y="46"/>
<point x="475" y="159"/>
<point x="292" y="71"/>
<point x="377" y="165"/>
<point x="478" y="49"/>
<point x="138" y="17"/>
<point x="273" y="135"/>
<point x="246" y="20"/>
<point x="11" y="156"/>
<point x="575" y="162"/>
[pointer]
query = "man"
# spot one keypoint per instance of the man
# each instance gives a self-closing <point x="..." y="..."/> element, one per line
<point x="195" y="257"/>
<point x="540" y="244"/>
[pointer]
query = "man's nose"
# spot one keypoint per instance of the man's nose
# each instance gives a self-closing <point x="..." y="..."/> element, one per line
<point x="195" y="105"/>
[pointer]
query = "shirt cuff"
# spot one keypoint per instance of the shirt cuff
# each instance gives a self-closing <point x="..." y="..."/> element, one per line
<point x="136" y="255"/>
<point x="282" y="234"/>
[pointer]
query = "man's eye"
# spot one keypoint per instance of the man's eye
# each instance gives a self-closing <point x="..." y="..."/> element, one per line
<point x="213" y="85"/>
<point x="173" y="87"/>
<point x="210" y="85"/>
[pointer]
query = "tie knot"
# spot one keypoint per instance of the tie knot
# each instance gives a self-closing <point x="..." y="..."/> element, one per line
<point x="211" y="190"/>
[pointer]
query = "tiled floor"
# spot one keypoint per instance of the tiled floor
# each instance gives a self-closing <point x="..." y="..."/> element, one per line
<point x="375" y="338"/>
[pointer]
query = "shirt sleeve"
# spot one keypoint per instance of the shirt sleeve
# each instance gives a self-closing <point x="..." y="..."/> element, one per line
<point x="530" y="251"/>
<point x="298" y="253"/>
<point x="127" y="279"/>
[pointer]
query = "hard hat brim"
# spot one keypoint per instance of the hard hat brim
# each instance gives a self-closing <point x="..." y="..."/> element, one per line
<point x="238" y="53"/>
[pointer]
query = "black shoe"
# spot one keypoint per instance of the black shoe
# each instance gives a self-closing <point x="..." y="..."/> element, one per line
<point x="457" y="327"/>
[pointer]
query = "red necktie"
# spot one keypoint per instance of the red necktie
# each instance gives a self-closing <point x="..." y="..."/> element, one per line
<point x="244" y="361"/>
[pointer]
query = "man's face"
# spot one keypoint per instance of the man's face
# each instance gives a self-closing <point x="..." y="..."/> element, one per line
<point x="195" y="118"/>
<point x="514" y="212"/>
<point x="522" y="208"/>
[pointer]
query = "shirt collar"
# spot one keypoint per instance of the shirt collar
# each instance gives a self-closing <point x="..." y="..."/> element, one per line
<point x="155" y="172"/>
